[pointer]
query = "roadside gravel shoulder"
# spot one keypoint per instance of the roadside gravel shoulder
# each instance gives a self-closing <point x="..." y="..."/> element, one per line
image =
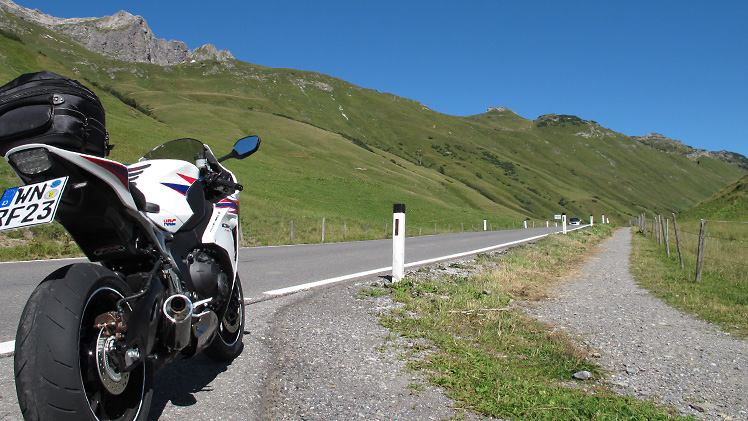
<point x="651" y="350"/>
<point x="333" y="361"/>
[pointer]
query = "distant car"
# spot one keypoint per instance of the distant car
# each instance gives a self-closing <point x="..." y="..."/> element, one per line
<point x="575" y="221"/>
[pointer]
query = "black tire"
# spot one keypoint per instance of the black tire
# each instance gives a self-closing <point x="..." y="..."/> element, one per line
<point x="55" y="365"/>
<point x="228" y="343"/>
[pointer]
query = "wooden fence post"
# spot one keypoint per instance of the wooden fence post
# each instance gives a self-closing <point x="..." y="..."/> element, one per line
<point x="700" y="258"/>
<point x="677" y="240"/>
<point x="323" y="229"/>
<point x="662" y="229"/>
<point x="667" y="236"/>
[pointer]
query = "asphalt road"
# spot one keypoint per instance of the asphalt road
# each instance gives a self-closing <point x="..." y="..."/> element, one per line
<point x="325" y="330"/>
<point x="271" y="271"/>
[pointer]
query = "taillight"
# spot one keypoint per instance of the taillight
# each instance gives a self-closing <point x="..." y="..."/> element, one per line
<point x="31" y="161"/>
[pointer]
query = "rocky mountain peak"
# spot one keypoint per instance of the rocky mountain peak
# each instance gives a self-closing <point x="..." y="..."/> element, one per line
<point x="668" y="145"/>
<point x="209" y="52"/>
<point x="499" y="109"/>
<point x="663" y="143"/>
<point x="123" y="36"/>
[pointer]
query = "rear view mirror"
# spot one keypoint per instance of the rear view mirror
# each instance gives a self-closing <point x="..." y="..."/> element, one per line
<point x="243" y="148"/>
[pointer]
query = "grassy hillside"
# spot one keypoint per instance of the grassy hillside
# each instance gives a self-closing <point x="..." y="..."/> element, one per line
<point x="335" y="150"/>
<point x="729" y="204"/>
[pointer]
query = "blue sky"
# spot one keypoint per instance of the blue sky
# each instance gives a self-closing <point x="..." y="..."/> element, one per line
<point x="678" y="68"/>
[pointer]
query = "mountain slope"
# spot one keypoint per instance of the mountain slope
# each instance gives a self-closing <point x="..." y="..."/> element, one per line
<point x="730" y="204"/>
<point x="332" y="149"/>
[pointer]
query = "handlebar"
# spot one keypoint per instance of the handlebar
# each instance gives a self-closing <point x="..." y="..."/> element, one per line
<point x="218" y="181"/>
<point x="229" y="184"/>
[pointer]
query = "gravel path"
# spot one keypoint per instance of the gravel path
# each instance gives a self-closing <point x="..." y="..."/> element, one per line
<point x="651" y="350"/>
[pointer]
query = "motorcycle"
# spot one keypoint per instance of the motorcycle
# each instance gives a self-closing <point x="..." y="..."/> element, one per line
<point x="162" y="237"/>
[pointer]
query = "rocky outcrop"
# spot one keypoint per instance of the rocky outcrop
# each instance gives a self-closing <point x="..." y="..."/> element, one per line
<point x="668" y="145"/>
<point x="209" y="52"/>
<point x="122" y="36"/>
<point x="499" y="109"/>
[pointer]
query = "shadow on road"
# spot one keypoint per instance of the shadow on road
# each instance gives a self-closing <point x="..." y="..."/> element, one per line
<point x="181" y="381"/>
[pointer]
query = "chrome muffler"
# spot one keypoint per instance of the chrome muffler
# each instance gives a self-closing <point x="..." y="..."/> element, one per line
<point x="178" y="311"/>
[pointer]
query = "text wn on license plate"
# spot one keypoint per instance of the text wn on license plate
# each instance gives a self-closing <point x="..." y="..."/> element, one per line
<point x="29" y="205"/>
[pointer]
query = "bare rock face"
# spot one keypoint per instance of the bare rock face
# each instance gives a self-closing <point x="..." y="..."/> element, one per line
<point x="125" y="37"/>
<point x="668" y="145"/>
<point x="209" y="52"/>
<point x="122" y="36"/>
<point x="499" y="109"/>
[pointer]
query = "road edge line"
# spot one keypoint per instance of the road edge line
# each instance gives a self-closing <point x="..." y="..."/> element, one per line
<point x="310" y="285"/>
<point x="7" y="348"/>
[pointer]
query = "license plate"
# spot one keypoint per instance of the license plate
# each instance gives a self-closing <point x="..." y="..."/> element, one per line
<point x="34" y="204"/>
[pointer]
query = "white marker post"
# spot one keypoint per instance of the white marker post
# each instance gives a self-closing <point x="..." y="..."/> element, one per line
<point x="485" y="225"/>
<point x="592" y="221"/>
<point x="398" y="242"/>
<point x="563" y="222"/>
<point x="603" y="219"/>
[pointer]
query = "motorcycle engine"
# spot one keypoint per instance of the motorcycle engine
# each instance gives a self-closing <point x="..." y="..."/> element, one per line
<point x="206" y="275"/>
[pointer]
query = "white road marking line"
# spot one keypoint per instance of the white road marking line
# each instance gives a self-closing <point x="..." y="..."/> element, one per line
<point x="310" y="285"/>
<point x="7" y="348"/>
<point x="82" y="259"/>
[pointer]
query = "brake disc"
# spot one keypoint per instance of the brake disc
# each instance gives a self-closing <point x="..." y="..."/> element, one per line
<point x="114" y="380"/>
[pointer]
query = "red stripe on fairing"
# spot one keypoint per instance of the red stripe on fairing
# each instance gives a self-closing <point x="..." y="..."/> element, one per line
<point x="119" y="170"/>
<point x="187" y="178"/>
<point x="232" y="205"/>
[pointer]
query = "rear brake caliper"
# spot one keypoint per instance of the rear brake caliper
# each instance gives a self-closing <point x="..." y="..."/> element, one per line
<point x="109" y="365"/>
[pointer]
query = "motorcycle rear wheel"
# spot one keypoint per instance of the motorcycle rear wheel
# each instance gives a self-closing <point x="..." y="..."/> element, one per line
<point x="61" y="369"/>
<point x="228" y="343"/>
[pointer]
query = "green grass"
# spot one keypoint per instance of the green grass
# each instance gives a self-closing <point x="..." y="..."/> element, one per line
<point x="721" y="297"/>
<point x="46" y="241"/>
<point x="494" y="360"/>
<point x="730" y="204"/>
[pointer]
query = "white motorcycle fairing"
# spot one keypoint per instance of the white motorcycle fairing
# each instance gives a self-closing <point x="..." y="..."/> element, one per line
<point x="98" y="208"/>
<point x="222" y="231"/>
<point x="166" y="182"/>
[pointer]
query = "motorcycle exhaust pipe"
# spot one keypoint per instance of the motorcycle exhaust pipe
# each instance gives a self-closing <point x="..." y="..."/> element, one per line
<point x="178" y="311"/>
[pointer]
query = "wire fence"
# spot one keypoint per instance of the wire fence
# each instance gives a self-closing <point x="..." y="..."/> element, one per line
<point x="325" y="230"/>
<point x="717" y="246"/>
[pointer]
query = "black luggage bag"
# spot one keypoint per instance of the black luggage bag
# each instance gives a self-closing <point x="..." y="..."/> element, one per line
<point x="50" y="109"/>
